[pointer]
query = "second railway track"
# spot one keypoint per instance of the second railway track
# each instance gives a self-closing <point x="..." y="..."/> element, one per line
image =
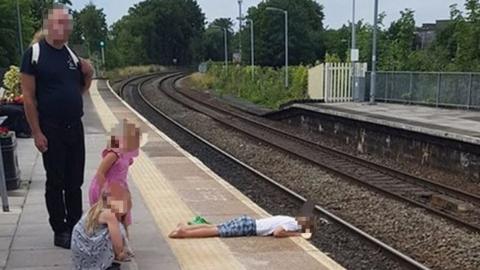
<point x="409" y="188"/>
<point x="403" y="260"/>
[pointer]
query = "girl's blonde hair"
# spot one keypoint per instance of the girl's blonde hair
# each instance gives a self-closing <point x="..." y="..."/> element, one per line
<point x="39" y="35"/>
<point x="94" y="213"/>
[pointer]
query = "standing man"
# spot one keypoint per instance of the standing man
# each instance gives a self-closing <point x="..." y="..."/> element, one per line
<point x="53" y="81"/>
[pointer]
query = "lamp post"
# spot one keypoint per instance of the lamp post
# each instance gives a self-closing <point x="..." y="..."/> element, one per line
<point x="240" y="29"/>
<point x="374" y="56"/>
<point x="252" y="46"/>
<point x="102" y="46"/>
<point x="354" y="53"/>
<point x="20" y="37"/>
<point x="225" y="42"/>
<point x="286" y="40"/>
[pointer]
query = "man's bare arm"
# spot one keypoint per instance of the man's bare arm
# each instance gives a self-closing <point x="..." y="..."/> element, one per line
<point x="30" y="102"/>
<point x="87" y="71"/>
<point x="281" y="232"/>
<point x="30" y="105"/>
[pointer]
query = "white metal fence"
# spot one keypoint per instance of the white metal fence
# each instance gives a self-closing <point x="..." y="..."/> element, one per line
<point x="332" y="82"/>
<point x="450" y="89"/>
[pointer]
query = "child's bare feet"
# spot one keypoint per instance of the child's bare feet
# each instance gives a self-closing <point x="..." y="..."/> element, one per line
<point x="178" y="232"/>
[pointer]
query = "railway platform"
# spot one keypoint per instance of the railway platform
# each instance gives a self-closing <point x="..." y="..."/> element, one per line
<point x="455" y="124"/>
<point x="168" y="186"/>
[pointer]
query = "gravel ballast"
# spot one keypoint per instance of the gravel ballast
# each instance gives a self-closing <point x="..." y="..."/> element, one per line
<point x="428" y="239"/>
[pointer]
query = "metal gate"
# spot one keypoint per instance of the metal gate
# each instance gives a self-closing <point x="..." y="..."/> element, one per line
<point x="332" y="82"/>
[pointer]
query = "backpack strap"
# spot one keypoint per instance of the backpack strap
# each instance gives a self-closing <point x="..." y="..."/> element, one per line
<point x="73" y="56"/>
<point x="35" y="53"/>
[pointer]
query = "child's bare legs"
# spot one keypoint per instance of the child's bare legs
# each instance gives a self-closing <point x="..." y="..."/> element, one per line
<point x="194" y="231"/>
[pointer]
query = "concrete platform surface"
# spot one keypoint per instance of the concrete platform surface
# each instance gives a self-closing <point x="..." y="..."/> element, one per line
<point x="26" y="239"/>
<point x="168" y="186"/>
<point x="460" y="125"/>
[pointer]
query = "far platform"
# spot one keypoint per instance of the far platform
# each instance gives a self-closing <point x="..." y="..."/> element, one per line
<point x="461" y="125"/>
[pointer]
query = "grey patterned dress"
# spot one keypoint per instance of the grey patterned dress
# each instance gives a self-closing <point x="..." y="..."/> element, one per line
<point x="92" y="252"/>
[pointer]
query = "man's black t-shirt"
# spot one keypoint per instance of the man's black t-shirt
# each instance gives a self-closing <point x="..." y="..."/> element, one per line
<point x="59" y="83"/>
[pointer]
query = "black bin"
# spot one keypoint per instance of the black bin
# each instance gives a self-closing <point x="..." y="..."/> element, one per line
<point x="10" y="161"/>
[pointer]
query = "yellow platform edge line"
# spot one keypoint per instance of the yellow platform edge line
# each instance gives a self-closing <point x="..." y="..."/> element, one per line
<point x="313" y="251"/>
<point x="166" y="207"/>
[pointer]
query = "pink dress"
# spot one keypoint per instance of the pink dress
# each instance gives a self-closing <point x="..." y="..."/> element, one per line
<point x="117" y="173"/>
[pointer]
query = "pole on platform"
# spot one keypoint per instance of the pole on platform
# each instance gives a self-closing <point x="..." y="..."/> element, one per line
<point x="373" y="79"/>
<point x="252" y="48"/>
<point x="286" y="41"/>
<point x="226" y="47"/>
<point x="353" y="57"/>
<point x="225" y="40"/>
<point x="3" y="186"/>
<point x="20" y="36"/>
<point x="240" y="16"/>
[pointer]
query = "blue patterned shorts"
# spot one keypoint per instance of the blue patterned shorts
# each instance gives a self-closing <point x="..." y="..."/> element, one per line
<point x="241" y="226"/>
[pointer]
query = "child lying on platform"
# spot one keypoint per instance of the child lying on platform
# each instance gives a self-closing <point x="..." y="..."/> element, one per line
<point x="278" y="226"/>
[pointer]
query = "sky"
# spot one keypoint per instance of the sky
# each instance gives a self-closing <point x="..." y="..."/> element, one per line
<point x="337" y="12"/>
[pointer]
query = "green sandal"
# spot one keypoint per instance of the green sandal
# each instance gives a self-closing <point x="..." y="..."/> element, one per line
<point x="198" y="220"/>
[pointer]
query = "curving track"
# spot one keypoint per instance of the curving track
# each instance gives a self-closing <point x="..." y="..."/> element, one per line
<point x="409" y="188"/>
<point x="167" y="85"/>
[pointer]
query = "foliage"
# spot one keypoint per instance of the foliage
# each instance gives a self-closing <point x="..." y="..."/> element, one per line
<point x="332" y="58"/>
<point x="11" y="81"/>
<point x="267" y="89"/>
<point x="305" y="33"/>
<point x="9" y="41"/>
<point x="125" y="72"/>
<point x="156" y="32"/>
<point x="91" y="25"/>
<point x="213" y="39"/>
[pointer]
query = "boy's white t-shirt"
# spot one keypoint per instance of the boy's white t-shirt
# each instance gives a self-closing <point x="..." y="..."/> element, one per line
<point x="266" y="226"/>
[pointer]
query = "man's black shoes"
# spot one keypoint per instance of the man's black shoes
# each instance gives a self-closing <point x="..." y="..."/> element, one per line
<point x="62" y="240"/>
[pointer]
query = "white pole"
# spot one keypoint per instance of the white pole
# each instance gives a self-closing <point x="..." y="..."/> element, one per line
<point x="286" y="40"/>
<point x="226" y="47"/>
<point x="354" y="46"/>
<point x="103" y="57"/>
<point x="240" y="28"/>
<point x="374" y="56"/>
<point x="252" y="46"/>
<point x="286" y="49"/>
<point x="20" y="36"/>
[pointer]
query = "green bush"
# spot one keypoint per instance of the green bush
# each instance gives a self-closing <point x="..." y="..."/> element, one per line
<point x="123" y="73"/>
<point x="267" y="89"/>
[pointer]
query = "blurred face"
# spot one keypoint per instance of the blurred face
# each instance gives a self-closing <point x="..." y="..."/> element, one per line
<point x="305" y="222"/>
<point x="117" y="206"/>
<point x="125" y="137"/>
<point x="59" y="25"/>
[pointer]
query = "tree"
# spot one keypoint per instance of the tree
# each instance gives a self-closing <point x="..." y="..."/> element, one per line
<point x="305" y="32"/>
<point x="400" y="42"/>
<point x="9" y="40"/>
<point x="92" y="24"/>
<point x="213" y="39"/>
<point x="156" y="32"/>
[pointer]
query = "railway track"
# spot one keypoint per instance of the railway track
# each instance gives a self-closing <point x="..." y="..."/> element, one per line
<point x="434" y="197"/>
<point x="403" y="259"/>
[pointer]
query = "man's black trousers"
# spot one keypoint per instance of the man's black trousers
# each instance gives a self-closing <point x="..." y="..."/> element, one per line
<point x="64" y="163"/>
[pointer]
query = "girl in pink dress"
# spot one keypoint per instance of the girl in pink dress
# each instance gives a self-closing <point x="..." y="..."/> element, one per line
<point x="123" y="147"/>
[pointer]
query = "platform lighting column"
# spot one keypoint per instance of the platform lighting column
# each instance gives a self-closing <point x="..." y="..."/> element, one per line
<point x="354" y="58"/>
<point x="240" y="16"/>
<point x="286" y="41"/>
<point x="252" y="46"/>
<point x="373" y="79"/>
<point x="3" y="184"/>
<point x="225" y="34"/>
<point x="19" y="29"/>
